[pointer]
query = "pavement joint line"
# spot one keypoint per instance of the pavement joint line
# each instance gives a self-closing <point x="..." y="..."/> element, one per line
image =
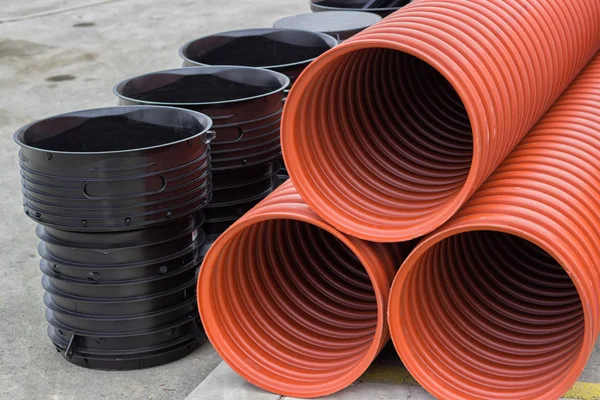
<point x="399" y="375"/>
<point x="55" y="11"/>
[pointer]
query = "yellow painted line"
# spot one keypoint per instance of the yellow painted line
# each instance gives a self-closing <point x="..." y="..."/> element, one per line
<point x="584" y="391"/>
<point x="400" y="376"/>
<point x="388" y="374"/>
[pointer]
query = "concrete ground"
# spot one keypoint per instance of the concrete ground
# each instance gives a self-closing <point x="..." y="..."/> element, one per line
<point x="68" y="61"/>
<point x="61" y="63"/>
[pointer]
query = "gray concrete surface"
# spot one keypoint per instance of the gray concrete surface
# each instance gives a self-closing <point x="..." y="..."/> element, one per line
<point x="224" y="384"/>
<point x="62" y="63"/>
<point x="70" y="61"/>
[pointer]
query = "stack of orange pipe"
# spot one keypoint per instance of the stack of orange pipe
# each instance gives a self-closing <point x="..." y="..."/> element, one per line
<point x="394" y="135"/>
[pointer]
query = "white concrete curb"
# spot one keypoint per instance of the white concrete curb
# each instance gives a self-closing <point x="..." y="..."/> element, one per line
<point x="224" y="384"/>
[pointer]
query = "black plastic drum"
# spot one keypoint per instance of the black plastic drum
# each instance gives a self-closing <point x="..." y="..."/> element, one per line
<point x="382" y="8"/>
<point x="118" y="194"/>
<point x="282" y="50"/>
<point x="246" y="106"/>
<point x="342" y="25"/>
<point x="117" y="168"/>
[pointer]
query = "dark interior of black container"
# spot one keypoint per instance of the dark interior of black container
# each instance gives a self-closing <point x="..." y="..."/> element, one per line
<point x="361" y="4"/>
<point x="257" y="50"/>
<point x="105" y="133"/>
<point x="200" y="87"/>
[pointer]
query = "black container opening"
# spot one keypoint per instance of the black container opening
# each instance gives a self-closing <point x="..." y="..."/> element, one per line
<point x="113" y="129"/>
<point x="258" y="48"/>
<point x="361" y="4"/>
<point x="201" y="85"/>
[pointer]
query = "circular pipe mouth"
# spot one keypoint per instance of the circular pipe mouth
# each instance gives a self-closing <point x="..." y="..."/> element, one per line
<point x="264" y="48"/>
<point x="290" y="305"/>
<point x="113" y="130"/>
<point x="200" y="86"/>
<point x="386" y="152"/>
<point x="487" y="314"/>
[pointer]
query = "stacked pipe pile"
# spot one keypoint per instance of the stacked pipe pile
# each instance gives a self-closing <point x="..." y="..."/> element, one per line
<point x="386" y="137"/>
<point x="118" y="193"/>
<point x="245" y="105"/>
<point x="502" y="301"/>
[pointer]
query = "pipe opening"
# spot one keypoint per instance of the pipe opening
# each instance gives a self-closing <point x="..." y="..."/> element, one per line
<point x="296" y="309"/>
<point x="386" y="139"/>
<point x="113" y="129"/>
<point x="490" y="315"/>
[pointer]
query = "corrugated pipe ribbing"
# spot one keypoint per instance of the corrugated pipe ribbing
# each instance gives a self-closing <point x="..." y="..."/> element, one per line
<point x="291" y="304"/>
<point x="503" y="301"/>
<point x="387" y="135"/>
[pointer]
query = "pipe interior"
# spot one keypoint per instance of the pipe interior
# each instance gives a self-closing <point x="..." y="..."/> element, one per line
<point x="104" y="131"/>
<point x="198" y="85"/>
<point x="299" y="307"/>
<point x="258" y="49"/>
<point x="491" y="315"/>
<point x="387" y="135"/>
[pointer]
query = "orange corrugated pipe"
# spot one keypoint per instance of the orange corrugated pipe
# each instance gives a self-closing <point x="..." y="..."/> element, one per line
<point x="503" y="301"/>
<point x="291" y="304"/>
<point x="387" y="135"/>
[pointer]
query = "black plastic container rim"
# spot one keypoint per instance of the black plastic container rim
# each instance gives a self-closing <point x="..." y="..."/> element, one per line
<point x="47" y="270"/>
<point x="371" y="10"/>
<point x="49" y="303"/>
<point x="52" y="291"/>
<point x="330" y="40"/>
<point x="122" y="354"/>
<point x="79" y="332"/>
<point x="203" y="120"/>
<point x="194" y="226"/>
<point x="196" y="244"/>
<point x="283" y="80"/>
<point x="321" y="22"/>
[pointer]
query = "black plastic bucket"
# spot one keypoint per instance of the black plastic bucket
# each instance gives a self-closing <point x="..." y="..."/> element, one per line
<point x="126" y="299"/>
<point x="245" y="105"/>
<point x="342" y="25"/>
<point x="109" y="351"/>
<point x="382" y="8"/>
<point x="117" y="168"/>
<point x="282" y="50"/>
<point x="118" y="194"/>
<point x="143" y="247"/>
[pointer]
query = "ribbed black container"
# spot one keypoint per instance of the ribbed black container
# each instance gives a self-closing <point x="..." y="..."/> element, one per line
<point x="379" y="7"/>
<point x="342" y="25"/>
<point x="118" y="194"/>
<point x="245" y="105"/>
<point x="283" y="50"/>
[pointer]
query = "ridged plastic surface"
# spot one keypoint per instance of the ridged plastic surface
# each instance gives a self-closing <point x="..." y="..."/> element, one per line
<point x="245" y="105"/>
<point x="291" y="304"/>
<point x="503" y="301"/>
<point x="389" y="133"/>
<point x="123" y="300"/>
<point x="115" y="168"/>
